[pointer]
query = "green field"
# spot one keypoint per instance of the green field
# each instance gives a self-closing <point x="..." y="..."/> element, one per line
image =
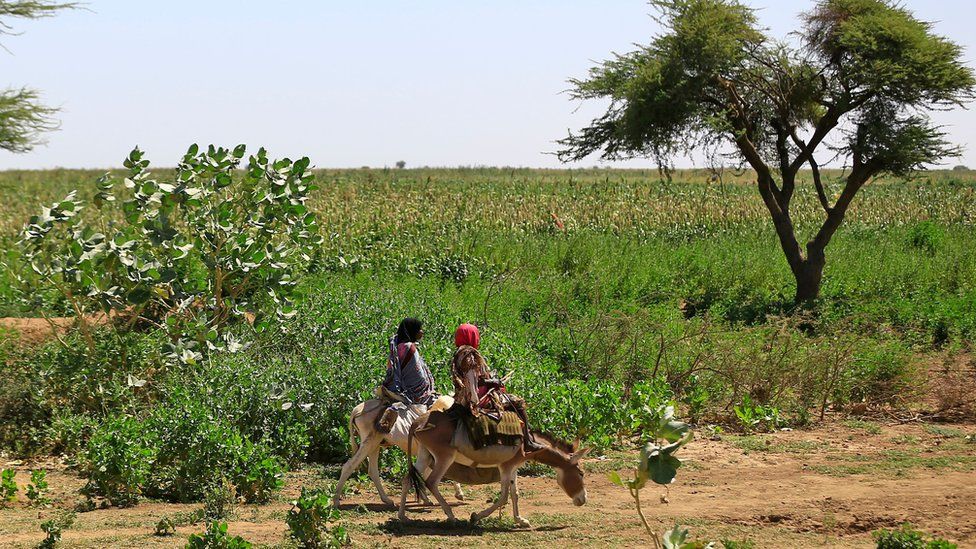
<point x="605" y="291"/>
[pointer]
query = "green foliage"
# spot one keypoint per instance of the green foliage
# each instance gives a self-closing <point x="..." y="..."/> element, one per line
<point x="659" y="464"/>
<point x="907" y="537"/>
<point x="677" y="538"/>
<point x="216" y="537"/>
<point x="927" y="236"/>
<point x="260" y="480"/>
<point x="118" y="460"/>
<point x="194" y="254"/>
<point x="164" y="527"/>
<point x="308" y="521"/>
<point x="217" y="499"/>
<point x="866" y="74"/>
<point x="55" y="527"/>
<point x="37" y="489"/>
<point x="8" y="486"/>
<point x="753" y="415"/>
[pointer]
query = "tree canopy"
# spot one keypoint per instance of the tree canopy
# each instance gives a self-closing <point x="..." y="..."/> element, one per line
<point x="22" y="117"/>
<point x="859" y="80"/>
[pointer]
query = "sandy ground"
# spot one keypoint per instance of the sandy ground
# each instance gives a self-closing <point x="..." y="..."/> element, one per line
<point x="830" y="486"/>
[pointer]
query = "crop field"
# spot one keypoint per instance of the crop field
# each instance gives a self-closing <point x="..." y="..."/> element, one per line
<point x="608" y="294"/>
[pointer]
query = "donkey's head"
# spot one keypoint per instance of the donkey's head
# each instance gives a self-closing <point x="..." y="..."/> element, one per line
<point x="564" y="458"/>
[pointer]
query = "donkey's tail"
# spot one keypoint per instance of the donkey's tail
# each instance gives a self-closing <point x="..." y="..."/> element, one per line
<point x="356" y="412"/>
<point x="415" y="477"/>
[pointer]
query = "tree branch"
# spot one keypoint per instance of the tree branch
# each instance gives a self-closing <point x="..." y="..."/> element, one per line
<point x="815" y="169"/>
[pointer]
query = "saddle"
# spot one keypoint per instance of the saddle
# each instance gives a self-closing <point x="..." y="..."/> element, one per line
<point x="484" y="430"/>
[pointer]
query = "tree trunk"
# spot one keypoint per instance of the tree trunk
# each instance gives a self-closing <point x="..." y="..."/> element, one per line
<point x="808" y="282"/>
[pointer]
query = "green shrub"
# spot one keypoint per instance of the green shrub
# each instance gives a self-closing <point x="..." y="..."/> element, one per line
<point x="55" y="527"/>
<point x="217" y="500"/>
<point x="880" y="374"/>
<point x="118" y="460"/>
<point x="907" y="537"/>
<point x="8" y="486"/>
<point x="37" y="489"/>
<point x="215" y="537"/>
<point x="308" y="521"/>
<point x="926" y="236"/>
<point x="259" y="478"/>
<point x="191" y="254"/>
<point x="196" y="448"/>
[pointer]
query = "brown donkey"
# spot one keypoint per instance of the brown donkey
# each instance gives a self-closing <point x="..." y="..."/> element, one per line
<point x="435" y="432"/>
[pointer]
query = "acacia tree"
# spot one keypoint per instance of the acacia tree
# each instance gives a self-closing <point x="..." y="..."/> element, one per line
<point x="22" y="117"/>
<point x="858" y="81"/>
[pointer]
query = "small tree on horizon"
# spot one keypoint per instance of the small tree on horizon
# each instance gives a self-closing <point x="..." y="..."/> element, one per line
<point x="859" y="83"/>
<point x="22" y="117"/>
<point x="401" y="164"/>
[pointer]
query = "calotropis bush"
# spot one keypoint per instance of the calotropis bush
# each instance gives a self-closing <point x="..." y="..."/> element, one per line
<point x="192" y="254"/>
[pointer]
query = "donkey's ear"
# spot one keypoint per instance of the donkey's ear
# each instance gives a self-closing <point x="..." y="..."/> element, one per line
<point x="574" y="459"/>
<point x="576" y="444"/>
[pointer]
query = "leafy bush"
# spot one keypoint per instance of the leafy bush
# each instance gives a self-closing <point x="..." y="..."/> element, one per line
<point x="192" y="255"/>
<point x="37" y="489"/>
<point x="658" y="464"/>
<point x="195" y="449"/>
<point x="118" y="460"/>
<point x="217" y="500"/>
<point x="260" y="479"/>
<point x="8" y="486"/>
<point x="926" y="236"/>
<point x="308" y="521"/>
<point x="753" y="415"/>
<point x="55" y="527"/>
<point x="907" y="537"/>
<point x="215" y="537"/>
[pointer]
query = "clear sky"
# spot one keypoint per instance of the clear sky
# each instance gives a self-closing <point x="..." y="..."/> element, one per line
<point x="351" y="83"/>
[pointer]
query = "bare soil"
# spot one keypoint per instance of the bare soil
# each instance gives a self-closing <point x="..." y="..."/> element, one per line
<point x="830" y="486"/>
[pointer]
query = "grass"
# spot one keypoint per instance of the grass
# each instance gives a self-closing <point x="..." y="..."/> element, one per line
<point x="773" y="445"/>
<point x="869" y="427"/>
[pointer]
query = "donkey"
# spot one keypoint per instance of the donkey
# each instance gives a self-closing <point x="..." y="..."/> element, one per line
<point x="362" y="420"/>
<point x="435" y="431"/>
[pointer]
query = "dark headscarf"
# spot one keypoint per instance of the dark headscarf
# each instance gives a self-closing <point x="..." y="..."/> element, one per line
<point x="409" y="330"/>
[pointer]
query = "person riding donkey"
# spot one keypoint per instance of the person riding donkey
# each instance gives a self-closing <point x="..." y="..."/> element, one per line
<point x="408" y="380"/>
<point x="478" y="391"/>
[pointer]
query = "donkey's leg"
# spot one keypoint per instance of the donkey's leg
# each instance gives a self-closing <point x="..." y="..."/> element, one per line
<point x="374" y="473"/>
<point x="424" y="461"/>
<point x="404" y="491"/>
<point x="519" y="521"/>
<point x="369" y="446"/>
<point x="502" y="498"/>
<point x="458" y="493"/>
<point x="442" y="462"/>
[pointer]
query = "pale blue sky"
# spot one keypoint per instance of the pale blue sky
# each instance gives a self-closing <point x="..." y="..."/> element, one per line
<point x="439" y="83"/>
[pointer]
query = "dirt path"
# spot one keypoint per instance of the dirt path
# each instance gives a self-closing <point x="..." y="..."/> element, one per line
<point x="827" y="487"/>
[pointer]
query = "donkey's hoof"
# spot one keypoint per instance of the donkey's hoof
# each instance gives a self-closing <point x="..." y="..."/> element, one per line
<point x="389" y="502"/>
<point x="522" y="523"/>
<point x="474" y="518"/>
<point x="402" y="517"/>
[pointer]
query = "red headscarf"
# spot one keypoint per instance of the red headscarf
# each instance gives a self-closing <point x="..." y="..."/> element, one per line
<point x="467" y="334"/>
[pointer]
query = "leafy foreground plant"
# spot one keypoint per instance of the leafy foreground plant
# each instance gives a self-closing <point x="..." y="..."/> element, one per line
<point x="55" y="527"/>
<point x="907" y="537"/>
<point x="657" y="460"/>
<point x="308" y="521"/>
<point x="8" y="486"/>
<point x="215" y="537"/>
<point x="37" y="489"/>
<point x="192" y="255"/>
